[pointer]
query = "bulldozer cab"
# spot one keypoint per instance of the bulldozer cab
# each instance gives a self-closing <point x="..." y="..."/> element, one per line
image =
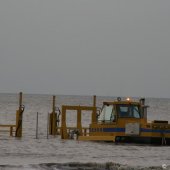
<point x="112" y="111"/>
<point x="128" y="111"/>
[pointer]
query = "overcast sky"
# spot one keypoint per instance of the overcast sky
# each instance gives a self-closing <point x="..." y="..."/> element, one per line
<point x="85" y="47"/>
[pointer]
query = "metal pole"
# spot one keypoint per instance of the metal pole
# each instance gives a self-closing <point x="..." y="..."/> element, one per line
<point x="48" y="123"/>
<point x="53" y="118"/>
<point x="37" y="127"/>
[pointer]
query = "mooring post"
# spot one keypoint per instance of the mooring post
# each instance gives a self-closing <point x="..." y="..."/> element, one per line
<point x="19" y="115"/>
<point x="79" y="125"/>
<point x="94" y="116"/>
<point x="64" y="134"/>
<point x="53" y="120"/>
<point x="94" y="101"/>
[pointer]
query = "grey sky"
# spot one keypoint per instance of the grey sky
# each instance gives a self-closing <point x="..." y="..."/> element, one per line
<point x="112" y="47"/>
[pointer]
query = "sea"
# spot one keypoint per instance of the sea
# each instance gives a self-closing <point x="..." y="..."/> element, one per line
<point x="38" y="150"/>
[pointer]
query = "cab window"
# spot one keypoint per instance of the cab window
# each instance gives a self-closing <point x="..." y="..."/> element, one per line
<point x="107" y="114"/>
<point x="128" y="111"/>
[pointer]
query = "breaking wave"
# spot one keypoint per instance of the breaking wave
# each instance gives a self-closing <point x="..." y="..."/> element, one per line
<point x="80" y="166"/>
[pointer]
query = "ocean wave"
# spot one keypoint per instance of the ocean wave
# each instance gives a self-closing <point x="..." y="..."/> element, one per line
<point x="80" y="166"/>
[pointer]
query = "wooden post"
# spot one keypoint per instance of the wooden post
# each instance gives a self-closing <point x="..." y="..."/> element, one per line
<point x="54" y="121"/>
<point x="94" y="101"/>
<point x="94" y="116"/>
<point x="19" y="116"/>
<point x="79" y="125"/>
<point x="63" y="124"/>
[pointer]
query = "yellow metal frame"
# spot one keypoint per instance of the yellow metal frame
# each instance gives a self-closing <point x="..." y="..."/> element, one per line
<point x="79" y="109"/>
